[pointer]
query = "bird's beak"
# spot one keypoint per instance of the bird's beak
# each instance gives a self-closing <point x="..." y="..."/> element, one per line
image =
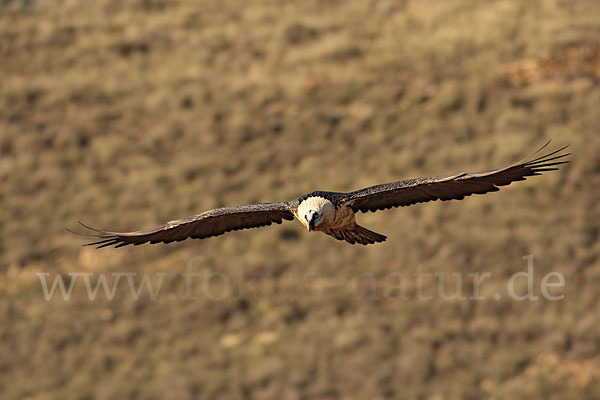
<point x="311" y="221"/>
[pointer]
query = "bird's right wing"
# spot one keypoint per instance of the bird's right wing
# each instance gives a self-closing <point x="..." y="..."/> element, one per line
<point x="412" y="191"/>
<point x="210" y="223"/>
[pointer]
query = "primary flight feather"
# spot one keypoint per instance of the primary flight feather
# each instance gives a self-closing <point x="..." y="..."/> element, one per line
<point x="333" y="213"/>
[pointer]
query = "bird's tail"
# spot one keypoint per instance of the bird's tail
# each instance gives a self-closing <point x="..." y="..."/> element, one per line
<point x="365" y="236"/>
<point x="358" y="234"/>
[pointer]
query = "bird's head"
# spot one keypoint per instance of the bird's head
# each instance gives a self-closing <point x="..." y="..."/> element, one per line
<point x="313" y="218"/>
<point x="316" y="213"/>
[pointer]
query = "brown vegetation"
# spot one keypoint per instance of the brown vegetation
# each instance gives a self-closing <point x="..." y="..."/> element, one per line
<point x="126" y="114"/>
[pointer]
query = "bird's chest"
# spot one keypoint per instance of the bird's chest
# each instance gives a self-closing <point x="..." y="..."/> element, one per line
<point x="344" y="217"/>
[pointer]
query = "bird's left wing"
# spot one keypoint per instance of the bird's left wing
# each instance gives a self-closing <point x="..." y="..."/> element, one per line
<point x="210" y="223"/>
<point x="412" y="191"/>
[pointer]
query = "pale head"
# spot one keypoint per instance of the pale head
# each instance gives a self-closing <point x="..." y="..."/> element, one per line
<point x="315" y="213"/>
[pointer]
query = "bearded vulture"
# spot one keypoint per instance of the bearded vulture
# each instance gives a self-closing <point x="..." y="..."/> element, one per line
<point x="333" y="212"/>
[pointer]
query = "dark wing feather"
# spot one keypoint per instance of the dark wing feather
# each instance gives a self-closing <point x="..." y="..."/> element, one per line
<point x="412" y="191"/>
<point x="210" y="223"/>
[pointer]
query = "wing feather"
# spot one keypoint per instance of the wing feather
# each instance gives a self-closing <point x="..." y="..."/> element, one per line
<point x="210" y="223"/>
<point x="452" y="187"/>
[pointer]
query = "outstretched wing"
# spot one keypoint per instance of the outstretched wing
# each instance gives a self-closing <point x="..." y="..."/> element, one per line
<point x="412" y="191"/>
<point x="210" y="223"/>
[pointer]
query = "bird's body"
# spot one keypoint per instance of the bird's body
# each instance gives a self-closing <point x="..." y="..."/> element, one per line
<point x="333" y="213"/>
<point x="338" y="218"/>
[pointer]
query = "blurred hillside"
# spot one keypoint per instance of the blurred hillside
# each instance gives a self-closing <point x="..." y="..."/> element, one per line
<point x="127" y="114"/>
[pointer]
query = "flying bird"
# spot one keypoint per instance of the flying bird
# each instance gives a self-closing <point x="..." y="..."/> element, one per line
<point x="333" y="213"/>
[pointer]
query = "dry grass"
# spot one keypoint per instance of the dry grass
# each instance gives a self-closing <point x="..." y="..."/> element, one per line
<point x="128" y="114"/>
